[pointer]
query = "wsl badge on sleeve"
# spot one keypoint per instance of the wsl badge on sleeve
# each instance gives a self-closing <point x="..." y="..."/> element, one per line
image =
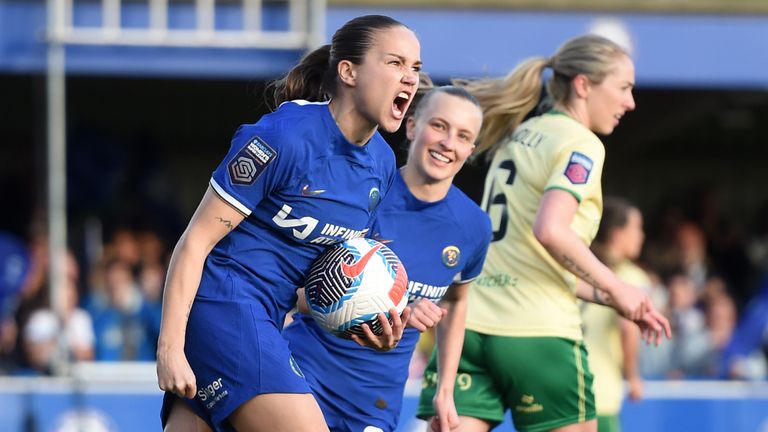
<point x="250" y="162"/>
<point x="578" y="169"/>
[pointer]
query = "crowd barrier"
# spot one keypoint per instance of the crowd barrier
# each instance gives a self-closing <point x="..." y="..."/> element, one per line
<point x="104" y="397"/>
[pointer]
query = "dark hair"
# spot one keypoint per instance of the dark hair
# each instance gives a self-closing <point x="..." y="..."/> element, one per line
<point x="615" y="215"/>
<point x="314" y="78"/>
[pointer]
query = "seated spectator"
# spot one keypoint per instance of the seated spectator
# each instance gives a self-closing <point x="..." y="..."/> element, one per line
<point x="44" y="328"/>
<point x="117" y="319"/>
<point x="691" y="347"/>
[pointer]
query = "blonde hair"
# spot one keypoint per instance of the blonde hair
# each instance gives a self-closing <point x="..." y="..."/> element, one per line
<point x="507" y="101"/>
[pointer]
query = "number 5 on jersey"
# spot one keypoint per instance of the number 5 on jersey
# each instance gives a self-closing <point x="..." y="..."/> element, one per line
<point x="281" y="220"/>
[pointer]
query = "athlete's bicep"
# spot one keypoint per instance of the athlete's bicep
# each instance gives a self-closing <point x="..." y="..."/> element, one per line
<point x="213" y="219"/>
<point x="458" y="291"/>
<point x="556" y="211"/>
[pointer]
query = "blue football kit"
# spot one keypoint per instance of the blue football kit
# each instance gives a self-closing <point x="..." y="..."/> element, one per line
<point x="301" y="186"/>
<point x="439" y="243"/>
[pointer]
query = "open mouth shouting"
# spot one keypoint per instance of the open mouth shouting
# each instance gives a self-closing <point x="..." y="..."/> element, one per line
<point x="400" y="104"/>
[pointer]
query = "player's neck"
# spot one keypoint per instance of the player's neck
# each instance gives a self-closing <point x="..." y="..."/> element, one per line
<point x="575" y="111"/>
<point x="422" y="188"/>
<point x="355" y="128"/>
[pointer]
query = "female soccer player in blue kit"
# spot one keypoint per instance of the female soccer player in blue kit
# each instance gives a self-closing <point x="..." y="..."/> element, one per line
<point x="441" y="236"/>
<point x="233" y="275"/>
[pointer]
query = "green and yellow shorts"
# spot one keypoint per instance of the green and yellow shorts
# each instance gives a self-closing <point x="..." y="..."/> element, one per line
<point x="544" y="381"/>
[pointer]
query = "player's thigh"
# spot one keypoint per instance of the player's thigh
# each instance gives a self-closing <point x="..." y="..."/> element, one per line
<point x="545" y="381"/>
<point x="588" y="426"/>
<point x="475" y="392"/>
<point x="471" y="424"/>
<point x="182" y="419"/>
<point x="279" y="412"/>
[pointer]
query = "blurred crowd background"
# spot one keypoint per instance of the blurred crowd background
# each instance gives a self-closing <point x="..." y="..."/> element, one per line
<point x="709" y="272"/>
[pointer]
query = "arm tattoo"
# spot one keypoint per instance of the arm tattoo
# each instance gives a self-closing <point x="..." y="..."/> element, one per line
<point x="578" y="271"/>
<point x="226" y="223"/>
<point x="599" y="295"/>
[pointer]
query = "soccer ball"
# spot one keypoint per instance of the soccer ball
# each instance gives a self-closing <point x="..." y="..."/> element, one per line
<point x="351" y="283"/>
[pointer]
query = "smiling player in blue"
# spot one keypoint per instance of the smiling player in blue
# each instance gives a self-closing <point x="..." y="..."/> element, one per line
<point x="441" y="236"/>
<point x="308" y="175"/>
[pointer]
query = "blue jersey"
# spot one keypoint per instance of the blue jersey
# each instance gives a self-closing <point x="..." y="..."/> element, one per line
<point x="302" y="186"/>
<point x="439" y="243"/>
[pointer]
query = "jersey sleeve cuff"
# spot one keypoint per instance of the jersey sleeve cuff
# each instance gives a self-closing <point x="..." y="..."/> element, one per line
<point x="575" y="195"/>
<point x="229" y="198"/>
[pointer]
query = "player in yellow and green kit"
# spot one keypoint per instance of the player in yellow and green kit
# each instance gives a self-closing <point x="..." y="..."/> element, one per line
<point x="611" y="340"/>
<point x="523" y="348"/>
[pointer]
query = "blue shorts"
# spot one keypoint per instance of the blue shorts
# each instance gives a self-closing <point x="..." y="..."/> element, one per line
<point x="236" y="352"/>
<point x="358" y="389"/>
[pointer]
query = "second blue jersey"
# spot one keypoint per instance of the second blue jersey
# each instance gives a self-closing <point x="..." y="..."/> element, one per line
<point x="439" y="243"/>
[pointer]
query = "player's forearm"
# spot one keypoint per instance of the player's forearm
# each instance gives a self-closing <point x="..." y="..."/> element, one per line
<point x="213" y="219"/>
<point x="570" y="251"/>
<point x="450" y="338"/>
<point x="184" y="273"/>
<point x="588" y="293"/>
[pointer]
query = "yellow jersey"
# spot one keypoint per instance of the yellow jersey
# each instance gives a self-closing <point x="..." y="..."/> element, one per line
<point x="602" y="336"/>
<point x="522" y="290"/>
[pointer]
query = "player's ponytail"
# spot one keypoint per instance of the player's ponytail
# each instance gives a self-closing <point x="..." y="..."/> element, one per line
<point x="505" y="101"/>
<point x="307" y="80"/>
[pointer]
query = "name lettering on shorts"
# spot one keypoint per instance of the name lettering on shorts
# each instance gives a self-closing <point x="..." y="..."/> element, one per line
<point x="212" y="393"/>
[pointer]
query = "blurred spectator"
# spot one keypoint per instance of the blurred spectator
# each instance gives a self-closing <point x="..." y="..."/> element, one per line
<point x="14" y="269"/>
<point x="691" y="248"/>
<point x="152" y="250"/>
<point x="744" y="357"/>
<point x="35" y="292"/>
<point x="690" y="347"/>
<point x="654" y="361"/>
<point x="44" y="329"/>
<point x="117" y="316"/>
<point x="720" y="316"/>
<point x="124" y="247"/>
<point x="151" y="281"/>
